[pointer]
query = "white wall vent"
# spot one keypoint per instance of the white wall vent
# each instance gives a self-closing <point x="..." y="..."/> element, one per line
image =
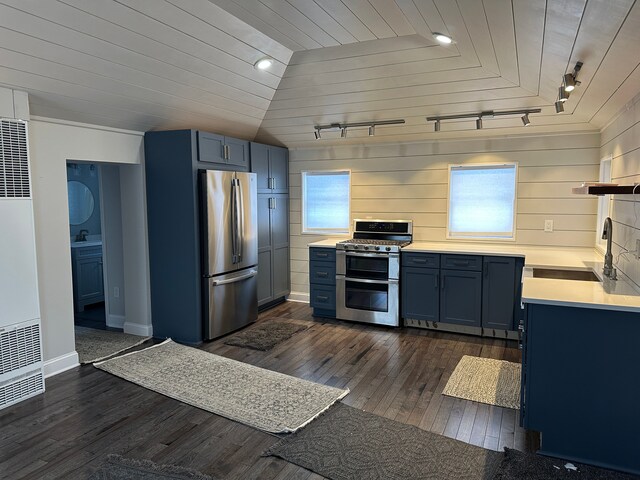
<point x="14" y="160"/>
<point x="19" y="347"/>
<point x="21" y="388"/>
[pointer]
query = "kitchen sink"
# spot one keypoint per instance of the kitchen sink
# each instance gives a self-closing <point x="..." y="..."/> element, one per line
<point x="582" y="275"/>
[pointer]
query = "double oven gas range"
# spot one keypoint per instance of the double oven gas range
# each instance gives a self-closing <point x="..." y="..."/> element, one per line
<point x="368" y="271"/>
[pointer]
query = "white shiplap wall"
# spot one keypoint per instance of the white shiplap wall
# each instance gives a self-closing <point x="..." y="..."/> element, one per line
<point x="621" y="140"/>
<point x="409" y="181"/>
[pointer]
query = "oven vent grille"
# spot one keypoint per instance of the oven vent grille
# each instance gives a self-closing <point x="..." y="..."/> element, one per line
<point x="21" y="389"/>
<point x="14" y="160"/>
<point x="19" y="347"/>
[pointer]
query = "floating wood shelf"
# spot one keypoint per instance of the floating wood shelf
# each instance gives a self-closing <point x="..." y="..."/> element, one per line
<point x="595" y="190"/>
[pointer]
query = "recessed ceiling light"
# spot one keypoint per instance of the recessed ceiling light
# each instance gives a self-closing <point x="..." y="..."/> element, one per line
<point x="264" y="63"/>
<point x="442" y="38"/>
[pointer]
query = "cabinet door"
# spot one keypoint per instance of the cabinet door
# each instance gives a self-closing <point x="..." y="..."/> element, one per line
<point x="460" y="297"/>
<point x="280" y="276"/>
<point x="210" y="148"/>
<point x="279" y="169"/>
<point x="264" y="222"/>
<point x="260" y="165"/>
<point x="90" y="282"/>
<point x="237" y="153"/>
<point x="498" y="292"/>
<point x="280" y="220"/>
<point x="420" y="293"/>
<point x="265" y="290"/>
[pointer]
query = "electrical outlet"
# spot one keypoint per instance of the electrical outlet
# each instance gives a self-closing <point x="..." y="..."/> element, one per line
<point x="548" y="225"/>
<point x="116" y="292"/>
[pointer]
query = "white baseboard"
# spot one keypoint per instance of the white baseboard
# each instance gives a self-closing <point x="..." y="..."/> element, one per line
<point x="60" y="364"/>
<point x="299" y="297"/>
<point x="138" y="329"/>
<point x="115" y="321"/>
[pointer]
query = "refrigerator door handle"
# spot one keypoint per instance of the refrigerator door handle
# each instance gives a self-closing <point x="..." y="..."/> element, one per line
<point x="234" y="222"/>
<point x="240" y="213"/>
<point x="252" y="273"/>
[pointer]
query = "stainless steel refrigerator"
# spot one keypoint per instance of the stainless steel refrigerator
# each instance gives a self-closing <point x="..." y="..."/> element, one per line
<point x="230" y="250"/>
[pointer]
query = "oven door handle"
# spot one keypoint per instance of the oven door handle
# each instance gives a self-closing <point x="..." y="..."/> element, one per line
<point x="365" y="280"/>
<point x="381" y="254"/>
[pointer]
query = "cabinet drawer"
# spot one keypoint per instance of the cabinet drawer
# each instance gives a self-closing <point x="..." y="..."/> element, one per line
<point x="426" y="260"/>
<point x="462" y="262"/>
<point x="323" y="297"/>
<point x="322" y="254"/>
<point x="322" y="272"/>
<point x="82" y="252"/>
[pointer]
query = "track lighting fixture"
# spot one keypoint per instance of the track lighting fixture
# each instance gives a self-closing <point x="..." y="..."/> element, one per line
<point x="484" y="114"/>
<point x="569" y="83"/>
<point x="342" y="127"/>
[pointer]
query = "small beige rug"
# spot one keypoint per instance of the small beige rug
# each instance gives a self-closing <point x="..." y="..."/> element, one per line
<point x="93" y="345"/>
<point x="263" y="399"/>
<point x="486" y="380"/>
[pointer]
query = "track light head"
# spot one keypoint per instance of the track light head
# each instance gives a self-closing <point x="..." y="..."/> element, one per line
<point x="569" y="82"/>
<point x="317" y="133"/>
<point x="372" y="130"/>
<point x="343" y="132"/>
<point x="563" y="95"/>
<point x="479" y="124"/>
<point x="525" y="120"/>
<point x="436" y="126"/>
<point x="559" y="107"/>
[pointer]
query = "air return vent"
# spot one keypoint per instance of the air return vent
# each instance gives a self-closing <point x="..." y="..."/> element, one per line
<point x="22" y="388"/>
<point x="19" y="347"/>
<point x="14" y="164"/>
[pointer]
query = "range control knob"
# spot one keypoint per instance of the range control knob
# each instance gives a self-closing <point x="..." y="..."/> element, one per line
<point x="388" y="249"/>
<point x="355" y="247"/>
<point x="377" y="248"/>
<point x="366" y="248"/>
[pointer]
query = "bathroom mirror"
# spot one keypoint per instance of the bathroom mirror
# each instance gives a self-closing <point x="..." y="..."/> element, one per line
<point x="81" y="202"/>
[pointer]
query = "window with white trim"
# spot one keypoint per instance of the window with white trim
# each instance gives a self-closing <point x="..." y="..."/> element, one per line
<point x="326" y="201"/>
<point x="482" y="201"/>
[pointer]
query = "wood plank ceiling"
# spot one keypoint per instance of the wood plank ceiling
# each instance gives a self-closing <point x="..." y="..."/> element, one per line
<point x="161" y="64"/>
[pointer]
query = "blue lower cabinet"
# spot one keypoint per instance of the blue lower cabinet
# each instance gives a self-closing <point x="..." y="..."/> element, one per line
<point x="498" y="292"/>
<point x="322" y="281"/>
<point x="461" y="297"/>
<point x="420" y="293"/>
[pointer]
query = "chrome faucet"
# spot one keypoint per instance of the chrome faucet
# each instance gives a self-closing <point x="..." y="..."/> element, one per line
<point x="607" y="234"/>
<point x="82" y="236"/>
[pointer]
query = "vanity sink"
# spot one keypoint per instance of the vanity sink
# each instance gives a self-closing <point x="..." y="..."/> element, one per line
<point x="559" y="274"/>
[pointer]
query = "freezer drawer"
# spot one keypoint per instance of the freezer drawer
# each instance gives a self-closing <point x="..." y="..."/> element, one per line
<point x="233" y="302"/>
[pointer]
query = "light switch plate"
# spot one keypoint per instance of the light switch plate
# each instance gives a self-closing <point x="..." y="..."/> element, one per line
<point x="548" y="225"/>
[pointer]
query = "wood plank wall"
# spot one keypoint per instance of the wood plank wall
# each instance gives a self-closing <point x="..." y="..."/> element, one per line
<point x="621" y="140"/>
<point x="409" y="181"/>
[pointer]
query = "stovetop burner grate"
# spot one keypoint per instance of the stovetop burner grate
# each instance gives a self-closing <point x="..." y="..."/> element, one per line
<point x="369" y="241"/>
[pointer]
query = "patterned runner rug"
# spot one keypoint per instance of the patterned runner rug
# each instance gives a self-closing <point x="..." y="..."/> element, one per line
<point x="265" y="335"/>
<point x="486" y="380"/>
<point x="93" y="345"/>
<point x="260" y="398"/>
<point x="121" y="468"/>
<point x="347" y="443"/>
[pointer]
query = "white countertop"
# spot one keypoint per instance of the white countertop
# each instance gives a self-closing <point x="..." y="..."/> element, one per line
<point x="607" y="294"/>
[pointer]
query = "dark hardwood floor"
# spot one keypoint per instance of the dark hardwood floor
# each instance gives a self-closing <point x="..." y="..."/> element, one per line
<point x="86" y="413"/>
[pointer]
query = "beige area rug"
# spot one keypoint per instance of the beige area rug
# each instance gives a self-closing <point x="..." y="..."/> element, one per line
<point x="93" y="345"/>
<point x="486" y="380"/>
<point x="257" y="397"/>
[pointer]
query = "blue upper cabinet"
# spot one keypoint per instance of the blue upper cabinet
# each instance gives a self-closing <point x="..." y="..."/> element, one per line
<point x="229" y="153"/>
<point x="272" y="166"/>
